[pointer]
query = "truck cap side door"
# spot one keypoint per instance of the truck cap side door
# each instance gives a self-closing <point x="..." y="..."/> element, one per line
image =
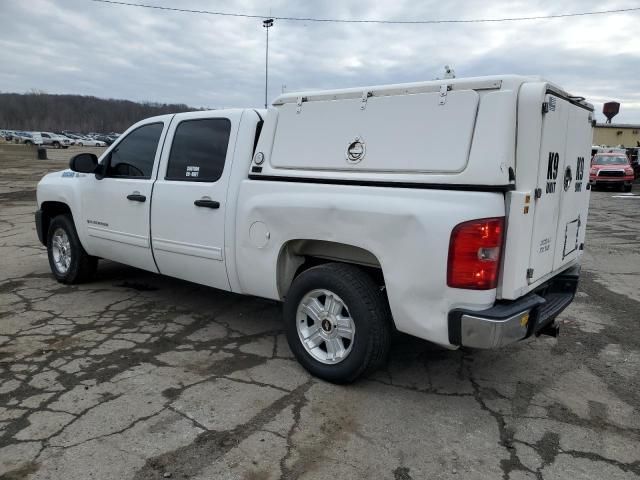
<point x="563" y="197"/>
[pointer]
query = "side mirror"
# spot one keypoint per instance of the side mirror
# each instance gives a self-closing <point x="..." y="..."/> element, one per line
<point x="101" y="169"/>
<point x="84" y="163"/>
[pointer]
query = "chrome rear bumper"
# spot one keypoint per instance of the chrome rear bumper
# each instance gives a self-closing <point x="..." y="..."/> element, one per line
<point x="509" y="322"/>
<point x="479" y="332"/>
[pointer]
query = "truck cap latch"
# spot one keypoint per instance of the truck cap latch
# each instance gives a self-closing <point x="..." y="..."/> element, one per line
<point x="365" y="95"/>
<point x="443" y="94"/>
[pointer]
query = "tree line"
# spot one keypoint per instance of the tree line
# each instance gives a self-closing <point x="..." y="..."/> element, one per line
<point x="40" y="111"/>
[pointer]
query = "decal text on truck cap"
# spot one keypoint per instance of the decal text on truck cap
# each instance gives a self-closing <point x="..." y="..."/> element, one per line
<point x="552" y="171"/>
<point x="579" y="174"/>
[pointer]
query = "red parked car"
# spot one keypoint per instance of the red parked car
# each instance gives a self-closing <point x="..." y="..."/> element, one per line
<point x="611" y="169"/>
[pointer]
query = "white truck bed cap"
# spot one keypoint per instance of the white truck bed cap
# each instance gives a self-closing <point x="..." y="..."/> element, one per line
<point x="457" y="132"/>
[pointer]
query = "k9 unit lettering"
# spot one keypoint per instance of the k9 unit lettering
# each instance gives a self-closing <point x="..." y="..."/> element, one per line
<point x="579" y="174"/>
<point x="552" y="171"/>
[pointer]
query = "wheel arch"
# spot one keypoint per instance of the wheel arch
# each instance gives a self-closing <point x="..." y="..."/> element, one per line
<point x="298" y="255"/>
<point x="48" y="211"/>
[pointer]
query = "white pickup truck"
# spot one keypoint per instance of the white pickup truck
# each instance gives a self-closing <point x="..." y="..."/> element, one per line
<point x="452" y="210"/>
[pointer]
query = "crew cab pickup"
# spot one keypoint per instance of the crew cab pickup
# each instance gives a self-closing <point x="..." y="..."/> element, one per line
<point x="452" y="210"/>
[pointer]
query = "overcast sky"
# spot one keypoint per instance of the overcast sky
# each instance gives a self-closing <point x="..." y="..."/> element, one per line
<point x="82" y="47"/>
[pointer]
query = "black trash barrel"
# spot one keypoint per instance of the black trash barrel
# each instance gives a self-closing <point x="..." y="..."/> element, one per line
<point x="42" y="153"/>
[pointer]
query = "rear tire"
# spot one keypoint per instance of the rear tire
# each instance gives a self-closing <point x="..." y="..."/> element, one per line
<point x="628" y="188"/>
<point x="69" y="261"/>
<point x="322" y="304"/>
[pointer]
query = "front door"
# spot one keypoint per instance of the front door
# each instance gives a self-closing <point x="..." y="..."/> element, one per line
<point x="115" y="210"/>
<point x="189" y="198"/>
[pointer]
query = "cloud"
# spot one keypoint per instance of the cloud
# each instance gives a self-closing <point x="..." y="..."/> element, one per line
<point x="78" y="46"/>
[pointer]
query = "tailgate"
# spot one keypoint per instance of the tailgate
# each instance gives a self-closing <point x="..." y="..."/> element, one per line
<point x="560" y="213"/>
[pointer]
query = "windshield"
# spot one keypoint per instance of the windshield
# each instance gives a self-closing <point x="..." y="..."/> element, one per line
<point x="610" y="160"/>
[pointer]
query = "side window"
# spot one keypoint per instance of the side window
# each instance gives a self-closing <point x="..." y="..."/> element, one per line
<point x="199" y="150"/>
<point x="134" y="155"/>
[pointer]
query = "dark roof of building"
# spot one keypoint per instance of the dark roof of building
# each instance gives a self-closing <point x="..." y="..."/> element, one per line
<point x="618" y="125"/>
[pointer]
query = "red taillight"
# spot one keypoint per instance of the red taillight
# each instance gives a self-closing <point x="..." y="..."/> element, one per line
<point x="474" y="254"/>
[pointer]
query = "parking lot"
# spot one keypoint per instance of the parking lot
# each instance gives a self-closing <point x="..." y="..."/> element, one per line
<point x="140" y="376"/>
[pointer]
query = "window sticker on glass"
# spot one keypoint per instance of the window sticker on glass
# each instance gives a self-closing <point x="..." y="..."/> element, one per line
<point x="199" y="150"/>
<point x="193" y="171"/>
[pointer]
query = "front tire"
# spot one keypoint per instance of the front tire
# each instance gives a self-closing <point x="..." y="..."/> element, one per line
<point x="627" y="188"/>
<point x="69" y="261"/>
<point x="337" y="322"/>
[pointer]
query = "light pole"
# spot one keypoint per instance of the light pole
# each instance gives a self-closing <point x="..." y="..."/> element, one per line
<point x="268" y="23"/>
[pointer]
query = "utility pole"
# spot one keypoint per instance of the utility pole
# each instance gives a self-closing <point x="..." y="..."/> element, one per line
<point x="268" y="23"/>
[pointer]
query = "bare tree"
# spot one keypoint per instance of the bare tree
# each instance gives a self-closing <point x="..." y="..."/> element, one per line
<point x="38" y="110"/>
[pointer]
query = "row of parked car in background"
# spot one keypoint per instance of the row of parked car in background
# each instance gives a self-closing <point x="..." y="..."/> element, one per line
<point x="62" y="139"/>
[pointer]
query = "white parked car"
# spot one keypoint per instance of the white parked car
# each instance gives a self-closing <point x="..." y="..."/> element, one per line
<point x="72" y="136"/>
<point x="28" y="138"/>
<point x="90" y="142"/>
<point x="54" y="140"/>
<point x="67" y="140"/>
<point x="452" y="210"/>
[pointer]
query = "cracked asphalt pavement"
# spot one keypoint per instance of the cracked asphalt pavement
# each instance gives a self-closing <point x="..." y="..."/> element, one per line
<point x="139" y="376"/>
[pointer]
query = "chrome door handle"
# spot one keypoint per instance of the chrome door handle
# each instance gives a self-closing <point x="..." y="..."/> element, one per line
<point x="207" y="203"/>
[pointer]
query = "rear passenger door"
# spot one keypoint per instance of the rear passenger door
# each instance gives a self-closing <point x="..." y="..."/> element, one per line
<point x="189" y="198"/>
